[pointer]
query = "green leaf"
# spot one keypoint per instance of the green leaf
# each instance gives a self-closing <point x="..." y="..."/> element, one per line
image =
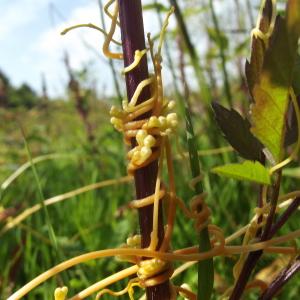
<point x="268" y="118"/>
<point x="236" y="130"/>
<point x="248" y="170"/>
<point x="254" y="66"/>
<point x="271" y="94"/>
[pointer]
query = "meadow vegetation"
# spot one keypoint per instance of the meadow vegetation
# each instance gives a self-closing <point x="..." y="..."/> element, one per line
<point x="64" y="184"/>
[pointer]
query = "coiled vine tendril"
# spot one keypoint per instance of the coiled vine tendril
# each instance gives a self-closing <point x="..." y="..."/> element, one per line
<point x="152" y="265"/>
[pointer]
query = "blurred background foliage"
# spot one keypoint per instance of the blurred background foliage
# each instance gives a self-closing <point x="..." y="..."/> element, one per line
<point x="210" y="41"/>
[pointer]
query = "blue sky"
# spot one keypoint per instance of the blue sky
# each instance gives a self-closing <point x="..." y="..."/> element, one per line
<point x="31" y="43"/>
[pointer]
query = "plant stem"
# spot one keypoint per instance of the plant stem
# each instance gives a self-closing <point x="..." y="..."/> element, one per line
<point x="51" y="232"/>
<point x="132" y="33"/>
<point x="205" y="267"/>
<point x="110" y="61"/>
<point x="203" y="86"/>
<point x="260" y="195"/>
<point x="284" y="276"/>
<point x="274" y="200"/>
<point x="81" y="102"/>
<point x="251" y="17"/>
<point x="221" y="55"/>
<point x="168" y="55"/>
<point x="253" y="257"/>
<point x="205" y="90"/>
<point x="285" y="216"/>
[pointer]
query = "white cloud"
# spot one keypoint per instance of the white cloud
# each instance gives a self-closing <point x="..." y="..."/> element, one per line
<point x="17" y="14"/>
<point x="50" y="46"/>
<point x="44" y="49"/>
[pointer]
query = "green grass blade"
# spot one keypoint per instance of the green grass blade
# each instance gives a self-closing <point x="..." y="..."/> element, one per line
<point x="51" y="232"/>
<point x="205" y="267"/>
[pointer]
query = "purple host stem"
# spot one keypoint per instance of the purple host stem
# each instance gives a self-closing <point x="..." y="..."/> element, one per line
<point x="132" y="33"/>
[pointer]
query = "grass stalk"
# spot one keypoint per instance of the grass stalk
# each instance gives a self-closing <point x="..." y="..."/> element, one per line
<point x="222" y="55"/>
<point x="250" y="12"/>
<point x="205" y="267"/>
<point x="194" y="58"/>
<point x="168" y="55"/>
<point x="51" y="232"/>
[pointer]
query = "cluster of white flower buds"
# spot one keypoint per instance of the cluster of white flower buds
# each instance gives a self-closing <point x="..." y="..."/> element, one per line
<point x="131" y="242"/>
<point x="139" y="154"/>
<point x="166" y="125"/>
<point x="134" y="241"/>
<point x="151" y="267"/>
<point x="117" y="118"/>
<point x="146" y="137"/>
